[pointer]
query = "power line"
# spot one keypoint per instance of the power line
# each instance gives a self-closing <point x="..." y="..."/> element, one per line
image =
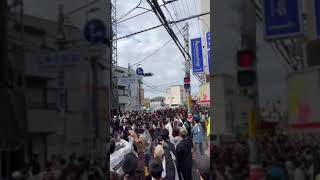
<point x="167" y="2"/>
<point x="182" y="11"/>
<point x="189" y="14"/>
<point x="126" y="14"/>
<point x="153" y="52"/>
<point x="187" y="7"/>
<point x="159" y="13"/>
<point x="170" y="22"/>
<point x="143" y="82"/>
<point x="83" y="7"/>
<point x="174" y="23"/>
<point x="166" y="84"/>
<point x="195" y="7"/>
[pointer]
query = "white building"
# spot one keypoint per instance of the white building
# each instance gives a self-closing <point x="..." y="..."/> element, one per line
<point x="175" y="96"/>
<point x="128" y="94"/>
<point x="157" y="102"/>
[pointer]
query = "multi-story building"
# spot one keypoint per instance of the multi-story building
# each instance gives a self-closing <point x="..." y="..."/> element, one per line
<point x="175" y="96"/>
<point x="130" y="95"/>
<point x="67" y="89"/>
<point x="157" y="102"/>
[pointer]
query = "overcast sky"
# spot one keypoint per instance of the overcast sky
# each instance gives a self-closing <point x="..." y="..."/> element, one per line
<point x="167" y="65"/>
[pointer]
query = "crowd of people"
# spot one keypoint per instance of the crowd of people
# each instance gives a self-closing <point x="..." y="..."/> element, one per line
<point x="74" y="167"/>
<point x="159" y="145"/>
<point x="283" y="157"/>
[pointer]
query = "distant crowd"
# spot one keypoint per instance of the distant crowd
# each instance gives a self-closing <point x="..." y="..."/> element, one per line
<point x="61" y="168"/>
<point x="282" y="157"/>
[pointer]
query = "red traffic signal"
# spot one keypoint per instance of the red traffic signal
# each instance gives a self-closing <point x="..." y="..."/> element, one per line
<point x="245" y="58"/>
<point x="186" y="80"/>
<point x="246" y="75"/>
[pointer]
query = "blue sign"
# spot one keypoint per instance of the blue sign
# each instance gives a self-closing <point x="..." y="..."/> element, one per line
<point x="208" y="37"/>
<point x="95" y="31"/>
<point x="317" y="16"/>
<point x="282" y="18"/>
<point x="139" y="71"/>
<point x="197" y="56"/>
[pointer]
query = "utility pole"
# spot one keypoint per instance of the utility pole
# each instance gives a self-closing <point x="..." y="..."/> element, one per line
<point x="4" y="42"/>
<point x="187" y="67"/>
<point x="61" y="42"/>
<point x="129" y="87"/>
<point x="5" y="117"/>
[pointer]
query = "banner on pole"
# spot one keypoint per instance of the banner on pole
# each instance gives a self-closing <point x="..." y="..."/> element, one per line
<point x="208" y="37"/>
<point x="197" y="56"/>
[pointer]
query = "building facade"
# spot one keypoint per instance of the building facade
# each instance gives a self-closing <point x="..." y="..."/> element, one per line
<point x="66" y="91"/>
<point x="157" y="102"/>
<point x="130" y="96"/>
<point x="175" y="96"/>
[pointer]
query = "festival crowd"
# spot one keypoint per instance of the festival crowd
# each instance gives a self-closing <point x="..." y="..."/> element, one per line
<point x="283" y="157"/>
<point x="58" y="167"/>
<point x="160" y="145"/>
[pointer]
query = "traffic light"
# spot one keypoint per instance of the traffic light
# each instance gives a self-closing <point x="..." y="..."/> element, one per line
<point x="246" y="74"/>
<point x="148" y="74"/>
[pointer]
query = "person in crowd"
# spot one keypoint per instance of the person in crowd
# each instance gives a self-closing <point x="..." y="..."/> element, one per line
<point x="164" y="133"/>
<point x="175" y="137"/>
<point x="133" y="164"/>
<point x="184" y="155"/>
<point x="156" y="169"/>
<point x="197" y="134"/>
<point x="116" y="157"/>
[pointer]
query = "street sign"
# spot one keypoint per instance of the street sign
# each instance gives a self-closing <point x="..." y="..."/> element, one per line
<point x="317" y="17"/>
<point x="129" y="80"/>
<point x="208" y="37"/>
<point x="139" y="71"/>
<point x="282" y="19"/>
<point x="197" y="56"/>
<point x="95" y="31"/>
<point x="56" y="61"/>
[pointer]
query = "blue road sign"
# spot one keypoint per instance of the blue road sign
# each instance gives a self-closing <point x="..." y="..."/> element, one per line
<point x="139" y="71"/>
<point x="197" y="56"/>
<point x="317" y="16"/>
<point x="95" y="31"/>
<point x="282" y="18"/>
<point x="208" y="37"/>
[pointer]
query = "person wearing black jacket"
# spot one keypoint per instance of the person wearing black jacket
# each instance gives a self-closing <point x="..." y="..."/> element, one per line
<point x="184" y="155"/>
<point x="164" y="133"/>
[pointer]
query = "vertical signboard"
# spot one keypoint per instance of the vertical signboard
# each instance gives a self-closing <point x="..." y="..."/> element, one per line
<point x="208" y="37"/>
<point x="282" y="18"/>
<point x="197" y="56"/>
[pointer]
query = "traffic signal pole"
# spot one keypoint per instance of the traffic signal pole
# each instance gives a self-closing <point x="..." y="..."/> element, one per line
<point x="248" y="41"/>
<point x="187" y="68"/>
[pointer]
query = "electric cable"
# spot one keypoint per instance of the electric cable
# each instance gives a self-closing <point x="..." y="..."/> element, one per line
<point x="145" y="30"/>
<point x="130" y="11"/>
<point x="157" y="50"/>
